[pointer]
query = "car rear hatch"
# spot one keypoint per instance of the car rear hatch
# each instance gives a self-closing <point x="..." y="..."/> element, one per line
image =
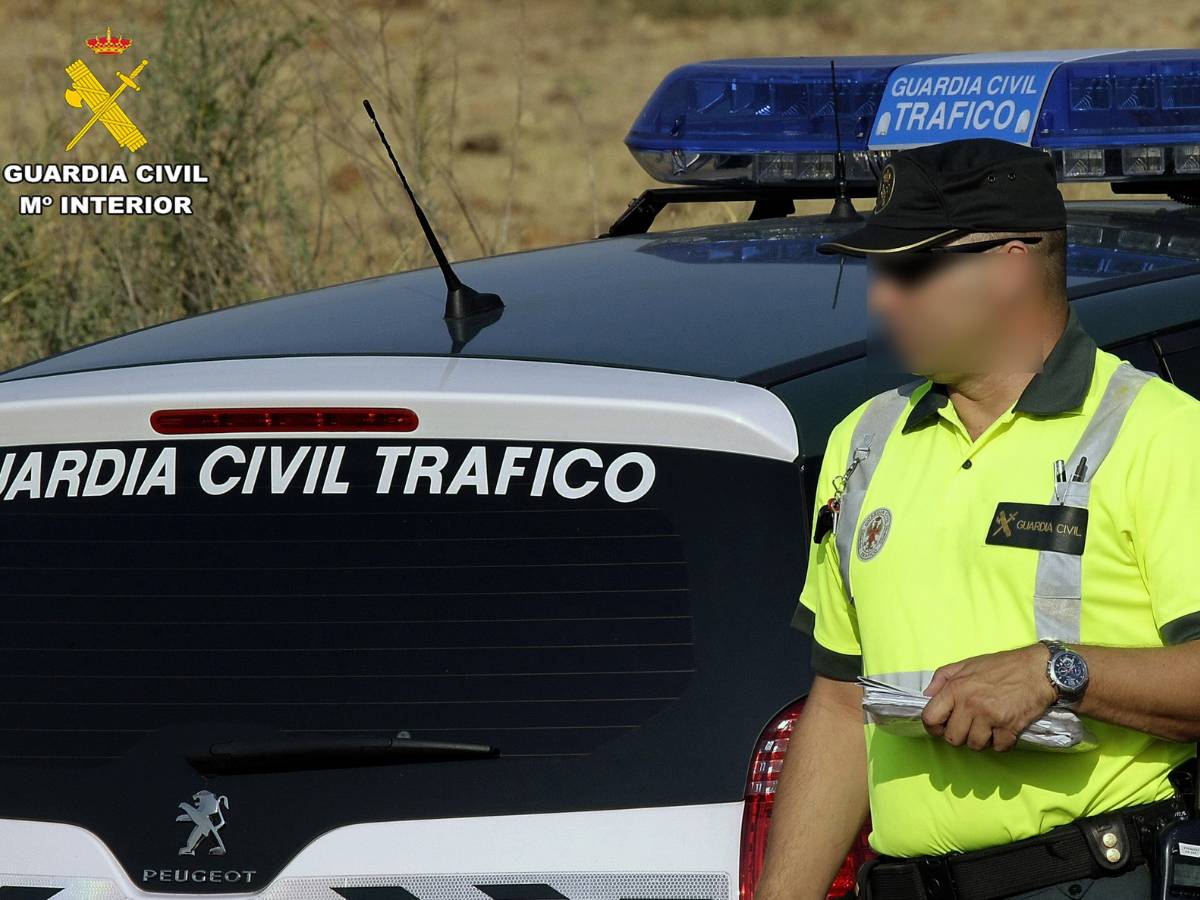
<point x="221" y="578"/>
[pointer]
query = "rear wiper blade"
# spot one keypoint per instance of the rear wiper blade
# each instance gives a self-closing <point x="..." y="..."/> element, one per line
<point x="347" y="752"/>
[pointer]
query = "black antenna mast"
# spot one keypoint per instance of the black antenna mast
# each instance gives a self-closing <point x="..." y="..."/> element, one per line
<point x="843" y="210"/>
<point x="461" y="301"/>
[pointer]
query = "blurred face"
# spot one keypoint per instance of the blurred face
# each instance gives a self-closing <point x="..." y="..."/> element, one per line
<point x="951" y="315"/>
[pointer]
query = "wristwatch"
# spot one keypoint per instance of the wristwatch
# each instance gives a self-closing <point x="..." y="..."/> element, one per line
<point x="1068" y="673"/>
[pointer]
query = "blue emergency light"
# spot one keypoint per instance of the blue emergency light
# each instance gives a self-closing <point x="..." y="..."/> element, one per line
<point x="1104" y="115"/>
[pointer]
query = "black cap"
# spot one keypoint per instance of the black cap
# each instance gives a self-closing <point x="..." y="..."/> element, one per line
<point x="931" y="195"/>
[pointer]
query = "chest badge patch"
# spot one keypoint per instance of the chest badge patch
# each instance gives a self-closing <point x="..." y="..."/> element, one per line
<point x="873" y="532"/>
<point x="1038" y="526"/>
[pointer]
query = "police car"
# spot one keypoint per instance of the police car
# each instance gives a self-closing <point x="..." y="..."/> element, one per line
<point x="334" y="596"/>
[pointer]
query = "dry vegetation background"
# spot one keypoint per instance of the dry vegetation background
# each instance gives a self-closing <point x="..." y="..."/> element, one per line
<point x="508" y="115"/>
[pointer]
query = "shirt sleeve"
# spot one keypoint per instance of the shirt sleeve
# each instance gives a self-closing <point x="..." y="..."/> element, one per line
<point x="1166" y="542"/>
<point x="824" y="611"/>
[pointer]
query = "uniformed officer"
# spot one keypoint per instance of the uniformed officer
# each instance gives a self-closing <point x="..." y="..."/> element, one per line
<point x="1019" y="529"/>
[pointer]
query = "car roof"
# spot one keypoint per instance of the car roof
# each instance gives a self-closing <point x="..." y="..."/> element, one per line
<point x="748" y="301"/>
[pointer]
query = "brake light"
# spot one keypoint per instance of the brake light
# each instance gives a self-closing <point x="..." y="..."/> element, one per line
<point x="763" y="780"/>
<point x="223" y="421"/>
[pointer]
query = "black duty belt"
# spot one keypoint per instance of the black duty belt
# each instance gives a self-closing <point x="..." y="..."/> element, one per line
<point x="1097" y="847"/>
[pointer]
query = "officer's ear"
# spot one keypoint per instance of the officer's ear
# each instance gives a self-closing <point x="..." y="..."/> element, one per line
<point x="1016" y="246"/>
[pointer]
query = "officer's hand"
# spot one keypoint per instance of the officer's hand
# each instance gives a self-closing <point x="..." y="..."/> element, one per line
<point x="989" y="700"/>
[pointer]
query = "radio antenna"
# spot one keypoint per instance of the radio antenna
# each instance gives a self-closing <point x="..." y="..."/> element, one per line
<point x="461" y="301"/>
<point x="843" y="210"/>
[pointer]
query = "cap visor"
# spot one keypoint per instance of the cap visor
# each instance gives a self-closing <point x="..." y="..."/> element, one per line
<point x="874" y="239"/>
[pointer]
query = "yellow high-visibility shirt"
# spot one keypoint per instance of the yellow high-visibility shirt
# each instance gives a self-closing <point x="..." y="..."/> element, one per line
<point x="930" y="590"/>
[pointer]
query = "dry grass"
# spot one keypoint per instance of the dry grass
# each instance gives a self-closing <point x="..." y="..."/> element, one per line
<point x="508" y="115"/>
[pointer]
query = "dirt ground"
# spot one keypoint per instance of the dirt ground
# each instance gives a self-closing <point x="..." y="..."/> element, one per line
<point x="508" y="114"/>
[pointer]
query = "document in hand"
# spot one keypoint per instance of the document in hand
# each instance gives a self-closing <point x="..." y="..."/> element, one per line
<point x="898" y="711"/>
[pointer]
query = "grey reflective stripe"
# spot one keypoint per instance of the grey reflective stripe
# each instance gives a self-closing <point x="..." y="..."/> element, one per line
<point x="866" y="447"/>
<point x="1101" y="433"/>
<point x="1058" y="589"/>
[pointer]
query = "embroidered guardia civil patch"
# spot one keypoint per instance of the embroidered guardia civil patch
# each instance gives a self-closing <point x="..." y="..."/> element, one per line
<point x="1039" y="526"/>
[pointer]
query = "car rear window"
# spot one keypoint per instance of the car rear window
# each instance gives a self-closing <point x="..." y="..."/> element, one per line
<point x="544" y="630"/>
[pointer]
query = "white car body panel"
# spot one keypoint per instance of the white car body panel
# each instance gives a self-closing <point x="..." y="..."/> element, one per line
<point x="454" y="398"/>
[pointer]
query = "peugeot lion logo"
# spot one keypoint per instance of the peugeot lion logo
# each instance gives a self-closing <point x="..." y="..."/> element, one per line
<point x="208" y="820"/>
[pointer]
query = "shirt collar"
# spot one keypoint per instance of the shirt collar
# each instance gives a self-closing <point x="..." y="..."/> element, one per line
<point x="1060" y="387"/>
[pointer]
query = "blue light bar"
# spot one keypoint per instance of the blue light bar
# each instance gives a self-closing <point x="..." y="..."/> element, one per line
<point x="1121" y="99"/>
<point x="760" y="120"/>
<point x="1104" y="115"/>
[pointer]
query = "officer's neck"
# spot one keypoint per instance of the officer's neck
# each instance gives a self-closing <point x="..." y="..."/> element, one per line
<point x="982" y="398"/>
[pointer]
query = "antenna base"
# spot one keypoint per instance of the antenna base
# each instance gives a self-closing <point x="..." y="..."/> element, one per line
<point x="463" y="330"/>
<point x="463" y="302"/>
<point x="843" y="211"/>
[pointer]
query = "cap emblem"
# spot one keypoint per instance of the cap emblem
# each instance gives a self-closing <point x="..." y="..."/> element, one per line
<point x="887" y="182"/>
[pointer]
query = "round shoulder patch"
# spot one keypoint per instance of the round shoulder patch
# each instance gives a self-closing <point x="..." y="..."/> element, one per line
<point x="887" y="184"/>
<point x="873" y="532"/>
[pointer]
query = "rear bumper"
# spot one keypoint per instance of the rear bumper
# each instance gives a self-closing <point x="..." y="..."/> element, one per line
<point x="672" y="853"/>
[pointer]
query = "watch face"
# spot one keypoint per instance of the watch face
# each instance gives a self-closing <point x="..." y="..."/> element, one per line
<point x="1070" y="670"/>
